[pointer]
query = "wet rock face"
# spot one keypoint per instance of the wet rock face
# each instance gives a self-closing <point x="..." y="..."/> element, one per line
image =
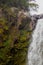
<point x="34" y="20"/>
<point x="15" y="34"/>
<point x="38" y="16"/>
<point x="32" y="25"/>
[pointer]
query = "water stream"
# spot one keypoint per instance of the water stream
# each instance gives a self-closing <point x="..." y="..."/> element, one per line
<point x="35" y="52"/>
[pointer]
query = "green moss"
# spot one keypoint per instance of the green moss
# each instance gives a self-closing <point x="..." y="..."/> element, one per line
<point x="10" y="34"/>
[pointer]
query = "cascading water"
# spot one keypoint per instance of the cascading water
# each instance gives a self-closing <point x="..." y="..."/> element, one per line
<point x="35" y="53"/>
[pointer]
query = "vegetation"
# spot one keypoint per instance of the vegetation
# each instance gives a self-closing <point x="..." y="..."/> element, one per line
<point x="22" y="4"/>
<point x="15" y="32"/>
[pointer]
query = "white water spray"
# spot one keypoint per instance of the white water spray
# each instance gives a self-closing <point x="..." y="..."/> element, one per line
<point x="35" y="53"/>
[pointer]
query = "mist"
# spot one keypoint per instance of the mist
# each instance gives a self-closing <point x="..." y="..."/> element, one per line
<point x="40" y="9"/>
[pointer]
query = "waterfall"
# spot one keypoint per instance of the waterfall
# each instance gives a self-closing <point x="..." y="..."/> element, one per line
<point x="35" y="52"/>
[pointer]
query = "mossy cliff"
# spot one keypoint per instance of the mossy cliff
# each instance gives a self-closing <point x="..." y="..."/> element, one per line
<point x="15" y="34"/>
